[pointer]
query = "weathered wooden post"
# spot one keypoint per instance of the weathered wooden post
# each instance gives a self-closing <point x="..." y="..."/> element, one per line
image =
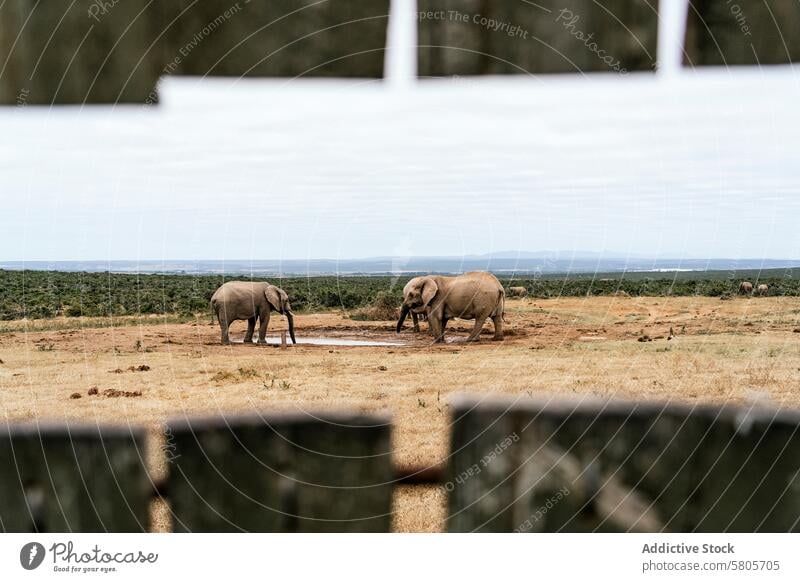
<point x="600" y="465"/>
<point x="475" y="37"/>
<point x="280" y="38"/>
<point x="281" y="473"/>
<point x="67" y="478"/>
<point x="87" y="51"/>
<point x="107" y="51"/>
<point x="744" y="32"/>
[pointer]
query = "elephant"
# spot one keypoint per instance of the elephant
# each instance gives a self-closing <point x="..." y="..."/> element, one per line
<point x="517" y="292"/>
<point x="418" y="313"/>
<point x="476" y="295"/>
<point x="745" y="287"/>
<point x="250" y="300"/>
<point x="762" y="289"/>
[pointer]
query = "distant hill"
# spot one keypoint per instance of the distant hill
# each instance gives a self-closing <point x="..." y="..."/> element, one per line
<point x="505" y="263"/>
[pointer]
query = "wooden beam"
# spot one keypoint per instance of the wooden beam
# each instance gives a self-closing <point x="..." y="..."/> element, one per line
<point x="281" y="473"/>
<point x="87" y="51"/>
<point x="480" y="37"/>
<point x="65" y="478"/>
<point x="605" y="465"/>
<point x="110" y="51"/>
<point x="744" y="32"/>
<point x="280" y="38"/>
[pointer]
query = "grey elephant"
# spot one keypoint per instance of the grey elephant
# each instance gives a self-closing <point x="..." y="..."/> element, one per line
<point x="250" y="300"/>
<point x="419" y="312"/>
<point x="476" y="295"/>
<point x="517" y="292"/>
<point x="745" y="287"/>
<point x="762" y="289"/>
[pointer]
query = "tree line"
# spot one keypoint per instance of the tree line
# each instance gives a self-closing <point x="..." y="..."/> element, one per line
<point x="46" y="294"/>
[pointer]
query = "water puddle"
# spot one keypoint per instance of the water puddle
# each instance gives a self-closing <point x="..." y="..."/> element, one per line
<point x="330" y="341"/>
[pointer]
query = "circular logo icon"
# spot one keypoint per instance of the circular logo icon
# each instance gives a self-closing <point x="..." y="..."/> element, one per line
<point x="31" y="555"/>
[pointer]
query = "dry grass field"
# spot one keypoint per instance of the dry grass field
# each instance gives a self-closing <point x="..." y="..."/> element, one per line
<point x="733" y="350"/>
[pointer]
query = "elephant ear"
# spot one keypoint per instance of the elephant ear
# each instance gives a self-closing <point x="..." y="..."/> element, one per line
<point x="274" y="297"/>
<point x="285" y="307"/>
<point x="429" y="290"/>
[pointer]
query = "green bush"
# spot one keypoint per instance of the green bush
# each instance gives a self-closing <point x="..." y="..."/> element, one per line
<point x="383" y="308"/>
<point x="45" y="294"/>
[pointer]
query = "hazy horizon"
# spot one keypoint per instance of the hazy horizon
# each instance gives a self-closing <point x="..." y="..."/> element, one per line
<point x="537" y="264"/>
<point x="506" y="254"/>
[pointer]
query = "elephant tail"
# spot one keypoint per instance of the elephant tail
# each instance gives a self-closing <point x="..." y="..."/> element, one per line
<point x="501" y="304"/>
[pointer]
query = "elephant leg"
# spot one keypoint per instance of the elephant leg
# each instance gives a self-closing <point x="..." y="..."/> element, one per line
<point x="415" y="319"/>
<point x="498" y="327"/>
<point x="476" y="331"/>
<point x="262" y="329"/>
<point x="436" y="323"/>
<point x="251" y="327"/>
<point x="223" y="327"/>
<point x="427" y="318"/>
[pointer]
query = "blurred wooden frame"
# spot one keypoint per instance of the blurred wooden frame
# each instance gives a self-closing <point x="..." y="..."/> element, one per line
<point x="520" y="37"/>
<point x="515" y="465"/>
<point x="114" y="51"/>
<point x="744" y="32"/>
<point x="327" y="472"/>
<point x="590" y="464"/>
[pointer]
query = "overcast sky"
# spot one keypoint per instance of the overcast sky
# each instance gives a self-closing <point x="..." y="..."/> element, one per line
<point x="697" y="165"/>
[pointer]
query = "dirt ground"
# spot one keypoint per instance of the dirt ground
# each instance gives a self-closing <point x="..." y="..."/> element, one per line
<point x="735" y="350"/>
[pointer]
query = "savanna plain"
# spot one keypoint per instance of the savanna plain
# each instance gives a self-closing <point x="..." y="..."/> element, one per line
<point x="149" y="368"/>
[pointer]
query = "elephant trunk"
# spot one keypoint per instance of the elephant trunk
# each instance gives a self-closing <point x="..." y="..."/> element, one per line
<point x="403" y="314"/>
<point x="290" y="320"/>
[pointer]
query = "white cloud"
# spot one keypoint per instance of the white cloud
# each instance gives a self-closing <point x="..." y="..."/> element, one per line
<point x="701" y="164"/>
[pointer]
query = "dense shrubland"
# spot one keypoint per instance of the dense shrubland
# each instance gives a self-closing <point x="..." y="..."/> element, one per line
<point x="44" y="294"/>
